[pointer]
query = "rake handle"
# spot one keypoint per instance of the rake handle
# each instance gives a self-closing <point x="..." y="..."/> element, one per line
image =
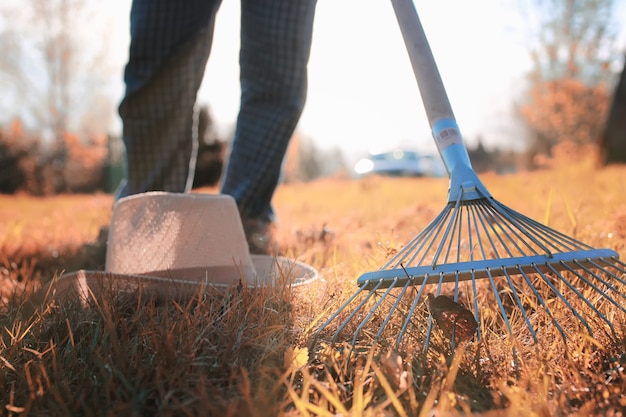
<point x="445" y="130"/>
<point x="425" y="69"/>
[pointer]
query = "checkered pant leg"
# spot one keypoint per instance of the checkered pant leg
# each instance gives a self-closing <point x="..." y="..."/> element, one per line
<point x="275" y="47"/>
<point x="170" y="45"/>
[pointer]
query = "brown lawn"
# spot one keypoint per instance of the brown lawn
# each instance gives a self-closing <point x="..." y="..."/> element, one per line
<point x="252" y="356"/>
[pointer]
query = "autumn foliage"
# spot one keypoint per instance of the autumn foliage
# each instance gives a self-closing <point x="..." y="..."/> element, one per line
<point x="35" y="166"/>
<point x="565" y="110"/>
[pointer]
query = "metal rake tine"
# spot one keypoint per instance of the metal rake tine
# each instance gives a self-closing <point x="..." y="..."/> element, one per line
<point x="623" y="265"/>
<point x="544" y="305"/>
<point x="484" y="227"/>
<point x="499" y="300"/>
<point x="456" y="299"/>
<point x="447" y="231"/>
<point x="410" y="313"/>
<point x="545" y="231"/>
<point x="584" y="299"/>
<point x="520" y="305"/>
<point x="459" y="242"/>
<point x="477" y="221"/>
<point x="457" y="224"/>
<point x="595" y="287"/>
<point x="356" y="310"/>
<point x="393" y="308"/>
<point x="476" y="313"/>
<point x="519" y="231"/>
<point x="429" y="331"/>
<point x="341" y="308"/>
<point x="371" y="312"/>
<point x="617" y="267"/>
<point x="618" y="261"/>
<point x="470" y="237"/>
<point x="420" y="244"/>
<point x="562" y="297"/>
<point x="415" y="245"/>
<point x="516" y="231"/>
<point x="523" y="225"/>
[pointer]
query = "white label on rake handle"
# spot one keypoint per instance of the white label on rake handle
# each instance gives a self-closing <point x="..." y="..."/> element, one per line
<point x="449" y="136"/>
<point x="446" y="132"/>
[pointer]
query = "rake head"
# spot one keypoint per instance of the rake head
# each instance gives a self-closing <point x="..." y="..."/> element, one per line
<point x="503" y="267"/>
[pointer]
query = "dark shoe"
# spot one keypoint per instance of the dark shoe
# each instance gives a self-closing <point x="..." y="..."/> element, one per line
<point x="259" y="236"/>
<point x="96" y="251"/>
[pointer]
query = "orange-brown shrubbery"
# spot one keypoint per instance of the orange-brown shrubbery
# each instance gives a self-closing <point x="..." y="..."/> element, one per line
<point x="69" y="163"/>
<point x="565" y="109"/>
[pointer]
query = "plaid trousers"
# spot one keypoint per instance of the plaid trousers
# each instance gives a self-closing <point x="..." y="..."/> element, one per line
<point x="170" y="45"/>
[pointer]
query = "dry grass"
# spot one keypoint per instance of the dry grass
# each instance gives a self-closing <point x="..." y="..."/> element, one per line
<point x="249" y="353"/>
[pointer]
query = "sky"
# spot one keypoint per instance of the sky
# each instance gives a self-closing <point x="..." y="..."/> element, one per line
<point x="362" y="93"/>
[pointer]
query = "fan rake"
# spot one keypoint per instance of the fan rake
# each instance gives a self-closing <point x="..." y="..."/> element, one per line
<point x="481" y="252"/>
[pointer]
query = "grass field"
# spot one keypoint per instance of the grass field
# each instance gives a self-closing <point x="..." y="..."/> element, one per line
<point x="253" y="354"/>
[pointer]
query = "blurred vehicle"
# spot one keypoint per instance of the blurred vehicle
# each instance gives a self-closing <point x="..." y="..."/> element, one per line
<point x="401" y="163"/>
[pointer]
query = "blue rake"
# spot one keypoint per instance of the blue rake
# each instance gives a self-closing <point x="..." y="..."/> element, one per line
<point x="526" y="267"/>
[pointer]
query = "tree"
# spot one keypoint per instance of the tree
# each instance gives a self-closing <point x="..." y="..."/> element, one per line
<point x="58" y="66"/>
<point x="572" y="39"/>
<point x="12" y="154"/>
<point x="58" y="76"/>
<point x="565" y="109"/>
<point x="613" y="139"/>
<point x="572" y="52"/>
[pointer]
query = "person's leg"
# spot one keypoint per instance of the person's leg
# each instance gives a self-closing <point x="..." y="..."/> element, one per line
<point x="170" y="45"/>
<point x="275" y="47"/>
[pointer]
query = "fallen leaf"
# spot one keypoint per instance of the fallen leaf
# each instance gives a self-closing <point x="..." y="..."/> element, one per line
<point x="451" y="316"/>
<point x="394" y="369"/>
<point x="296" y="358"/>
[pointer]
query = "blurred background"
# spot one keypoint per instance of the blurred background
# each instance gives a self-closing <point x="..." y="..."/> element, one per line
<point x="523" y="76"/>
